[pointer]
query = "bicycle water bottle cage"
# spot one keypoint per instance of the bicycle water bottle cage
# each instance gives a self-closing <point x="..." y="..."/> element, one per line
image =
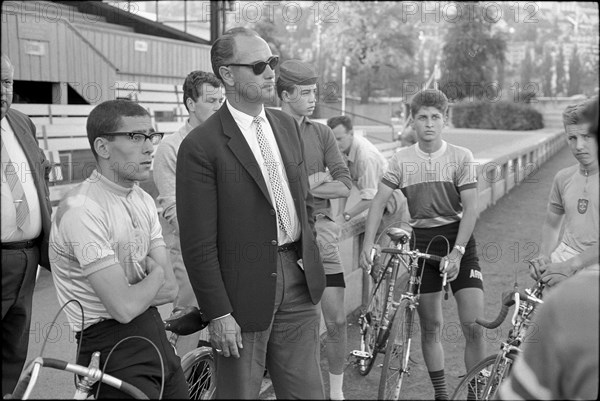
<point x="398" y="235"/>
<point x="186" y="321"/>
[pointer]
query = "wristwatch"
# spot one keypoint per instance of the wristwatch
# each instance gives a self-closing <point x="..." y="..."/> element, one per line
<point x="460" y="249"/>
<point x="347" y="216"/>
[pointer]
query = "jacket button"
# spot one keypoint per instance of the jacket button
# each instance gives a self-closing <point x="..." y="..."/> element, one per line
<point x="273" y="274"/>
<point x="272" y="212"/>
<point x="274" y="242"/>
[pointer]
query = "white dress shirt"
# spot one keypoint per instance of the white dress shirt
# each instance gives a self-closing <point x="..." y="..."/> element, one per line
<point x="33" y="228"/>
<point x="245" y="123"/>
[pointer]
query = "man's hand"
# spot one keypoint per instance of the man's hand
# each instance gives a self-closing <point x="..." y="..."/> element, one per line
<point x="226" y="336"/>
<point x="366" y="259"/>
<point x="450" y="264"/>
<point x="554" y="273"/>
<point x="538" y="266"/>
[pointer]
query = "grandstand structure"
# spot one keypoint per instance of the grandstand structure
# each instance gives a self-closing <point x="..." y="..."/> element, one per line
<point x="70" y="56"/>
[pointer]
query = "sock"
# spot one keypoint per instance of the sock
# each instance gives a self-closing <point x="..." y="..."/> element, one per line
<point x="335" y="386"/>
<point x="438" y="379"/>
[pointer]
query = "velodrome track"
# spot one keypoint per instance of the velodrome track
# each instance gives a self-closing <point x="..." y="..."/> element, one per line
<point x="506" y="233"/>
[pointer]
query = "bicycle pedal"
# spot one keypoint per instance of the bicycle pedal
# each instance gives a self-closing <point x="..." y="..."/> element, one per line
<point x="361" y="354"/>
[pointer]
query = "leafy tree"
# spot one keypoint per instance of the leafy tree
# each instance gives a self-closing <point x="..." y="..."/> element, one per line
<point x="469" y="51"/>
<point x="560" y="72"/>
<point x="575" y="73"/>
<point x="379" y="46"/>
<point x="526" y="68"/>
<point x="547" y="68"/>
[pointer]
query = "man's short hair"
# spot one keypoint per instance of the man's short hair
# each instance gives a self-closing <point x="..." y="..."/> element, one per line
<point x="192" y="86"/>
<point x="5" y="59"/>
<point x="590" y="114"/>
<point x="574" y="113"/>
<point x="222" y="51"/>
<point x="340" y="120"/>
<point x="106" y="117"/>
<point x="429" y="98"/>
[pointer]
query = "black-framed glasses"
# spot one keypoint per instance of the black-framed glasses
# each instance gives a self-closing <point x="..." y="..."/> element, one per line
<point x="260" y="66"/>
<point x="139" y="137"/>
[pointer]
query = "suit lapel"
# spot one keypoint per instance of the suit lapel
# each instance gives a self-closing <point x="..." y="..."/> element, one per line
<point x="238" y="145"/>
<point x="30" y="148"/>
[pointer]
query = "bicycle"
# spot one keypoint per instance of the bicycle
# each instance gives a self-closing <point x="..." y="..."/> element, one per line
<point x="389" y="316"/>
<point x="198" y="365"/>
<point x="482" y="381"/>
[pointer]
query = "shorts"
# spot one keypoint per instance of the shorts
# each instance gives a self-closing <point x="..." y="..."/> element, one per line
<point x="335" y="280"/>
<point x="328" y="238"/>
<point x="469" y="275"/>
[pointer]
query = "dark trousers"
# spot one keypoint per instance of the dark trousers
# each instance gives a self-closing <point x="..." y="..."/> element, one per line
<point x="289" y="348"/>
<point x="135" y="360"/>
<point x="19" y="268"/>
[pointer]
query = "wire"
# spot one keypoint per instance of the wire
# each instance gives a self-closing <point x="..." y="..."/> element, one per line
<point x="162" y="366"/>
<point x="427" y="251"/>
<point x="54" y="321"/>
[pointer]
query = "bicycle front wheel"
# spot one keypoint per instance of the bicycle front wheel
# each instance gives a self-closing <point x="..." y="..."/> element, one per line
<point x="397" y="352"/>
<point x="199" y="370"/>
<point x="482" y="381"/>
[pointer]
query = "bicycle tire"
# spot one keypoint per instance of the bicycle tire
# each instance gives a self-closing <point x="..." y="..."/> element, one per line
<point x="495" y="372"/>
<point x="199" y="370"/>
<point x="397" y="352"/>
<point x="373" y="315"/>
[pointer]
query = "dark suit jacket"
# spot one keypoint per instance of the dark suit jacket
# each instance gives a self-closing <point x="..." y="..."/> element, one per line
<point x="227" y="221"/>
<point x="24" y="130"/>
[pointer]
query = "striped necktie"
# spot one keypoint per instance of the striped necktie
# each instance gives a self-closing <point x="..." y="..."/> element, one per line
<point x="11" y="172"/>
<point x="274" y="178"/>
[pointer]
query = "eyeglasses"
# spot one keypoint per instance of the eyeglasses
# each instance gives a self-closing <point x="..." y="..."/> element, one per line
<point x="259" y="67"/>
<point x="139" y="137"/>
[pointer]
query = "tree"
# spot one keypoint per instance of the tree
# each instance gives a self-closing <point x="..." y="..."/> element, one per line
<point x="469" y="49"/>
<point x="526" y="68"/>
<point x="575" y="73"/>
<point x="379" y="46"/>
<point x="547" y="67"/>
<point x="560" y="72"/>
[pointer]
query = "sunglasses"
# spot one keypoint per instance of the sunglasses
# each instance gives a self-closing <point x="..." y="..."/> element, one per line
<point x="260" y="66"/>
<point x="139" y="137"/>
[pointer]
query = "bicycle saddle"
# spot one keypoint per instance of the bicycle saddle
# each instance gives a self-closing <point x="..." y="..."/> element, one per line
<point x="185" y="320"/>
<point x="398" y="235"/>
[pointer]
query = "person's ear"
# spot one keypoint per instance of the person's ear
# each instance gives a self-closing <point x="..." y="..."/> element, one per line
<point x="191" y="105"/>
<point x="226" y="75"/>
<point x="101" y="147"/>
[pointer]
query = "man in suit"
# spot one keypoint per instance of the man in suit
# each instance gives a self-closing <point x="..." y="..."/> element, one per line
<point x="25" y="228"/>
<point x="247" y="232"/>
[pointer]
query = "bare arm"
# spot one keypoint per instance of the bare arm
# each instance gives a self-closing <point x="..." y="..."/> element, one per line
<point x="550" y="233"/>
<point x="125" y="302"/>
<point x="465" y="229"/>
<point x="168" y="291"/>
<point x="373" y="220"/>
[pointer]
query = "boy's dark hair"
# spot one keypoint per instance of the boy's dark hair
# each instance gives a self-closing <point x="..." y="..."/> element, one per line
<point x="340" y="120"/>
<point x="574" y="113"/>
<point x="429" y="98"/>
<point x="222" y="51"/>
<point x="284" y="86"/>
<point x="106" y="117"/>
<point x="590" y="114"/>
<point x="192" y="85"/>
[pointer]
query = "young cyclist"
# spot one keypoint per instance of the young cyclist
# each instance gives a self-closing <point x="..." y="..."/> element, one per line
<point x="440" y="184"/>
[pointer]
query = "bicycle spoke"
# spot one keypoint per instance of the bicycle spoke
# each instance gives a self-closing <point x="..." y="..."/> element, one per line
<point x="395" y="363"/>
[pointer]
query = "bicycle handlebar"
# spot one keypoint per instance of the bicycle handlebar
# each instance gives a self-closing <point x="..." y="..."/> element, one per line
<point x="24" y="381"/>
<point x="412" y="254"/>
<point x="509" y="298"/>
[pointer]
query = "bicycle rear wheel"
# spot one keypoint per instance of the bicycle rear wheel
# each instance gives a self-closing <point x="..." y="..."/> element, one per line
<point x="482" y="381"/>
<point x="199" y="368"/>
<point x="395" y="363"/>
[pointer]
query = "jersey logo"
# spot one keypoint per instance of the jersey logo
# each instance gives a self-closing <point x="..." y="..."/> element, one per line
<point x="582" y="205"/>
